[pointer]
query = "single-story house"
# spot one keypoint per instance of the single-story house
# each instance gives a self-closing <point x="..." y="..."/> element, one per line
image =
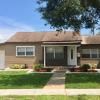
<point x="50" y="49"/>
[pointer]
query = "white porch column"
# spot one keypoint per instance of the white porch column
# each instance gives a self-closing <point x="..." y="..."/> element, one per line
<point x="76" y="54"/>
<point x="44" y="56"/>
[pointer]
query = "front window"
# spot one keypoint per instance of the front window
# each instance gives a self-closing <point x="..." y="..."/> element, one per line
<point x="54" y="52"/>
<point x="86" y="53"/>
<point x="99" y="53"/>
<point x="93" y="53"/>
<point x="50" y="53"/>
<point x="59" y="52"/>
<point x="25" y="51"/>
<point x="21" y="51"/>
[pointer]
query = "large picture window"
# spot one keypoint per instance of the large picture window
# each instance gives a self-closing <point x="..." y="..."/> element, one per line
<point x="50" y="53"/>
<point x="59" y="53"/>
<point x="25" y="51"/>
<point x="90" y="53"/>
<point x="55" y="52"/>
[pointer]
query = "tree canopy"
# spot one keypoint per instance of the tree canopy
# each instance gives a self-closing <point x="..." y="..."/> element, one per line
<point x="74" y="14"/>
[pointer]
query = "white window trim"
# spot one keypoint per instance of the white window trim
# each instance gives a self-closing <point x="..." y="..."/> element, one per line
<point x="25" y="51"/>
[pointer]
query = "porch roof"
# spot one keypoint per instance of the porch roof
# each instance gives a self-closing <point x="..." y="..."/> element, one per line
<point x="60" y="43"/>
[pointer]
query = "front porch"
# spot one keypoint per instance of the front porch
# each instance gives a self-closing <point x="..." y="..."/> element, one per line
<point x="61" y="55"/>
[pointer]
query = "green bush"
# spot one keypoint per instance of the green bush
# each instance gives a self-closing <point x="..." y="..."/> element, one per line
<point x="85" y="67"/>
<point x="18" y="66"/>
<point x="37" y="66"/>
<point x="94" y="66"/>
<point x="98" y="65"/>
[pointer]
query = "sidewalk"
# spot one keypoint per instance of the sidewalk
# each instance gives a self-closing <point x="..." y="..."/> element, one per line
<point x="57" y="81"/>
<point x="55" y="86"/>
<point x="49" y="92"/>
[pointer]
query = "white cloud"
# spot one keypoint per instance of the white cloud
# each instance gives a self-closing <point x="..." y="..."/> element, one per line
<point x="10" y="26"/>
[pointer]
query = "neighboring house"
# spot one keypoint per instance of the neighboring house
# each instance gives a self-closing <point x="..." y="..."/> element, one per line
<point x="50" y="49"/>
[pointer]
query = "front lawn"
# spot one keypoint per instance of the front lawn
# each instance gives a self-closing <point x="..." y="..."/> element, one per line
<point x="82" y="80"/>
<point x="48" y="97"/>
<point x="23" y="80"/>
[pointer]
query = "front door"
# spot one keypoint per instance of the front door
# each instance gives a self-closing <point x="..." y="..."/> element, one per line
<point x="72" y="55"/>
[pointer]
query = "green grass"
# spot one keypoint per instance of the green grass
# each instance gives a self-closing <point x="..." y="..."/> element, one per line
<point x="22" y="80"/>
<point x="55" y="97"/>
<point x="82" y="80"/>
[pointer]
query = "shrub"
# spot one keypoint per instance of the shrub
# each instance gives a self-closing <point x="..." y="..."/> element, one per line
<point x="94" y="66"/>
<point x="37" y="66"/>
<point x="18" y="66"/>
<point x="85" y="67"/>
<point x="98" y="65"/>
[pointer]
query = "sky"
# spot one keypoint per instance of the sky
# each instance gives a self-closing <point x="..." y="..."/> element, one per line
<point x="21" y="15"/>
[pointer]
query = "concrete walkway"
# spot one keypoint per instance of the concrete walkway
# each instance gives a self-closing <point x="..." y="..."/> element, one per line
<point x="49" y="92"/>
<point x="57" y="81"/>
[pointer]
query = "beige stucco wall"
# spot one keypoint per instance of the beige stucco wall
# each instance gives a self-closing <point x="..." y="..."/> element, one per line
<point x="11" y="57"/>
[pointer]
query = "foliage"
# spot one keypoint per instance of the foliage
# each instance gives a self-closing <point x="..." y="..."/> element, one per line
<point x="85" y="67"/>
<point x="94" y="66"/>
<point x="74" y="14"/>
<point x="18" y="66"/>
<point x="98" y="65"/>
<point x="37" y="66"/>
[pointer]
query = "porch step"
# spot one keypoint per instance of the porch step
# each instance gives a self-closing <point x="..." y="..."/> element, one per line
<point x="60" y="69"/>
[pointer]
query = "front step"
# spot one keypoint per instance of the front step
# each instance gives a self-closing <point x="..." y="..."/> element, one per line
<point x="60" y="69"/>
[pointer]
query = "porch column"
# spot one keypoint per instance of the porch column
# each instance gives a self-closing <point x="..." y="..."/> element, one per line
<point x="44" y="57"/>
<point x="76" y="54"/>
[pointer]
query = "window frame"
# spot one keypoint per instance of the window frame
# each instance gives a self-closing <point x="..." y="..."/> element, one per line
<point x="25" y="51"/>
<point x="90" y="53"/>
<point x="54" y="51"/>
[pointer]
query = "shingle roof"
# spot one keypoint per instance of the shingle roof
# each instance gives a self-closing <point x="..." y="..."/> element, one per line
<point x="54" y="37"/>
<point x="44" y="36"/>
<point x="91" y="39"/>
<point x="27" y="37"/>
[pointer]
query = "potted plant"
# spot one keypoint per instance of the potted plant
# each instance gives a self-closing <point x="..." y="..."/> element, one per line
<point x="85" y="67"/>
<point x="37" y="67"/>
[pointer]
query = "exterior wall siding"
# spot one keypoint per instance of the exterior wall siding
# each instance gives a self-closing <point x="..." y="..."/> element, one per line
<point x="90" y="61"/>
<point x="11" y="57"/>
<point x="2" y="47"/>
